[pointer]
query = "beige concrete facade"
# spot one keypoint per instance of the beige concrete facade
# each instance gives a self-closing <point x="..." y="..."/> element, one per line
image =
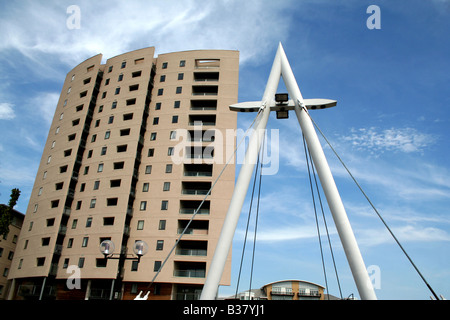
<point x="113" y="168"/>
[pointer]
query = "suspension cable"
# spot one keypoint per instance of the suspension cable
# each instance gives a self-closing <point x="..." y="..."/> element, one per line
<point x="204" y="199"/>
<point x="315" y="213"/>
<point x="326" y="226"/>
<point x="257" y="214"/>
<point x="373" y="207"/>
<point x="246" y="229"/>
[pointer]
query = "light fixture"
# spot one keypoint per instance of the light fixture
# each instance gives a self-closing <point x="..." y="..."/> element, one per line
<point x="281" y="98"/>
<point x="140" y="248"/>
<point x="107" y="247"/>
<point x="282" y="114"/>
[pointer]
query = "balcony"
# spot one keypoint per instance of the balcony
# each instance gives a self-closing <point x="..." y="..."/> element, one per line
<point x="189" y="269"/>
<point x="205" y="90"/>
<point x="206" y="76"/>
<point x="195" y="188"/>
<point x="198" y="170"/>
<point x="309" y="293"/>
<point x="201" y="136"/>
<point x="203" y="104"/>
<point x="207" y="63"/>
<point x="190" y="206"/>
<point x="196" y="227"/>
<point x="202" y="120"/>
<point x="200" y="152"/>
<point x="192" y="248"/>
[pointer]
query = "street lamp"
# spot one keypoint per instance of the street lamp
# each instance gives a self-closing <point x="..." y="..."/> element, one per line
<point x="107" y="247"/>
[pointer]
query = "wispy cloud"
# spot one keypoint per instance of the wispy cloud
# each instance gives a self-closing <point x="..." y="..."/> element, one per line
<point x="6" y="111"/>
<point x="375" y="141"/>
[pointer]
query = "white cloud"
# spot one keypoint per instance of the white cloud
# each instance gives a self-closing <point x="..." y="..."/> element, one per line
<point x="123" y="26"/>
<point x="43" y="105"/>
<point x="6" y="111"/>
<point x="395" y="139"/>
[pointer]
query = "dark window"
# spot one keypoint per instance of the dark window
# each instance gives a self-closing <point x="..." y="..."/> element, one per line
<point x="112" y="202"/>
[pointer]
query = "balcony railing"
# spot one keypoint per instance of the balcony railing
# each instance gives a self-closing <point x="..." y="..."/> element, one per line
<point x="194" y="192"/>
<point x="192" y="273"/>
<point x="192" y="210"/>
<point x="191" y="252"/>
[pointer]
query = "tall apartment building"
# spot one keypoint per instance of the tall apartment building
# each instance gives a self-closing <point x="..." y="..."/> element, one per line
<point x="112" y="169"/>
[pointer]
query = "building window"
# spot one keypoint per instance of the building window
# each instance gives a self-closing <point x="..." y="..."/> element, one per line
<point x="159" y="244"/>
<point x="182" y="63"/>
<point x="40" y="261"/>
<point x="74" y="223"/>
<point x="162" y="78"/>
<point x="148" y="169"/>
<point x="164" y="65"/>
<point x="106" y="82"/>
<point x="134" y="87"/>
<point x="115" y="183"/>
<point x="114" y="105"/>
<point x="110" y="69"/>
<point x="107" y="134"/>
<point x="49" y="159"/>
<point x="157" y="266"/>
<point x="124" y="64"/>
<point x="110" y="202"/>
<point x="67" y="152"/>
<point x="111" y="119"/>
<point x="158" y="106"/>
<point x="103" y="152"/>
<point x="162" y="225"/>
<point x="70" y="243"/>
<point x="160" y="92"/>
<point x="131" y="101"/>
<point x="101" y="262"/>
<point x="81" y="262"/>
<point x="145" y="187"/>
<point x="166" y="186"/>
<point x="153" y="136"/>
<point x="180" y="76"/>
<point x="104" y="95"/>
<point x="59" y="185"/>
<point x="96" y="184"/>
<point x="173" y="135"/>
<point x="108" y="221"/>
<point x="82" y="187"/>
<point x="140" y="225"/>
<point x="151" y="152"/>
<point x="45" y="241"/>
<point x="85" y="242"/>
<point x="117" y="91"/>
<point x="155" y="120"/>
<point x="94" y="137"/>
<point x="164" y="204"/>
<point x="122" y="148"/>
<point x="50" y="222"/>
<point x="40" y="191"/>
<point x="54" y="203"/>
<point x="86" y="170"/>
<point x="176" y="104"/>
<point x="100" y="167"/>
<point x="134" y="265"/>
<point x="168" y="168"/>
<point x="170" y="151"/>
<point x="174" y="119"/>
<point x="120" y="77"/>
<point x="136" y="74"/>
<point x="125" y="132"/>
<point x="89" y="222"/>
<point x="143" y="205"/>
<point x="179" y="90"/>
<point x="119" y="165"/>
<point x="78" y="206"/>
<point x="93" y="202"/>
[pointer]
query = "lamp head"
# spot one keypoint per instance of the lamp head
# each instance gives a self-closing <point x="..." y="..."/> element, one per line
<point x="107" y="247"/>
<point x="140" y="248"/>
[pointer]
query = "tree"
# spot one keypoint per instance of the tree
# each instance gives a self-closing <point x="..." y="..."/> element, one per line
<point x="5" y="212"/>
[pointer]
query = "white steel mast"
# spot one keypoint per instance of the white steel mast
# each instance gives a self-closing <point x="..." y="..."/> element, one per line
<point x="282" y="68"/>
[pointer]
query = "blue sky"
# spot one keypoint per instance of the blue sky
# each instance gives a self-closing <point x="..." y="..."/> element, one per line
<point x="391" y="124"/>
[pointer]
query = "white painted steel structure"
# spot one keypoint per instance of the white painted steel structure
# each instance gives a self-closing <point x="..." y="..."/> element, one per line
<point x="281" y="68"/>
